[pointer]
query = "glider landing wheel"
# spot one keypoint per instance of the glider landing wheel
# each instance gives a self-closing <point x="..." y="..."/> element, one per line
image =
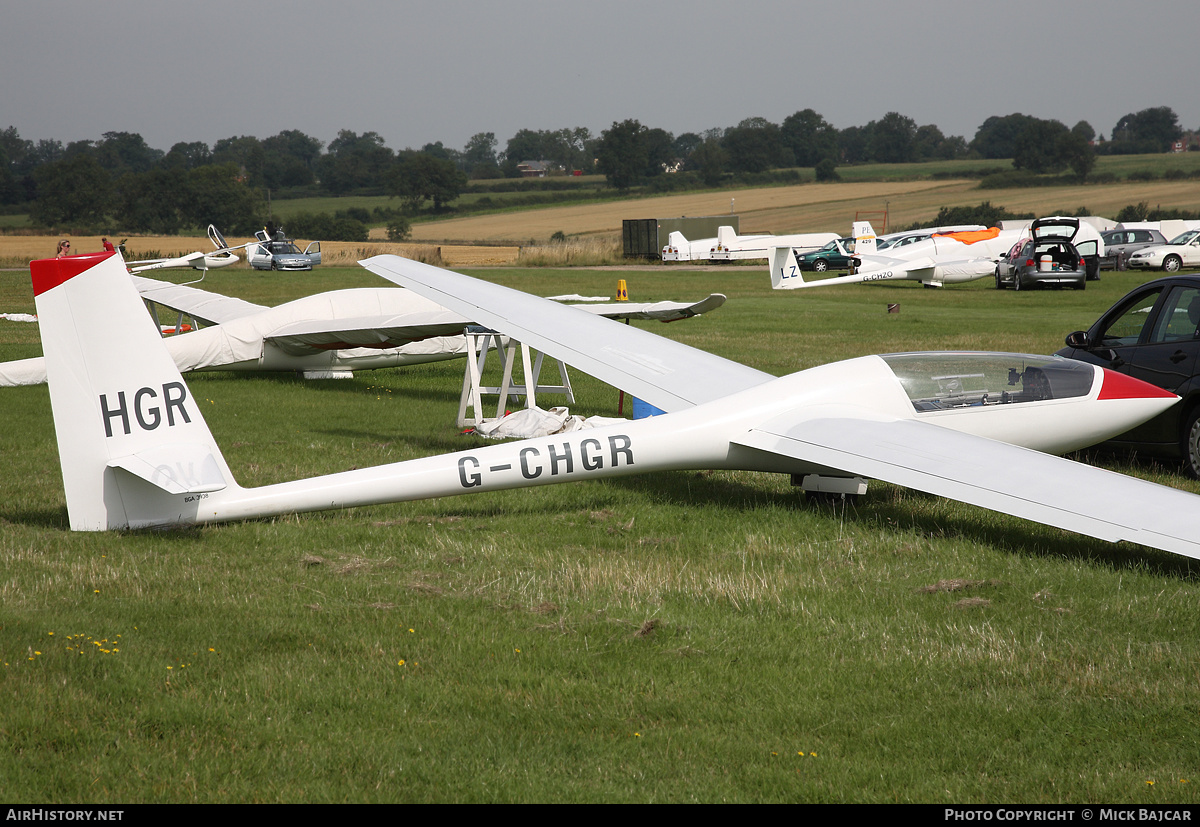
<point x="1172" y="264"/>
<point x="820" y="265"/>
<point x="819" y="498"/>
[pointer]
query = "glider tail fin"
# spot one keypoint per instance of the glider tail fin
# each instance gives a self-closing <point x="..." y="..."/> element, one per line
<point x="785" y="271"/>
<point x="134" y="448"/>
<point x="864" y="239"/>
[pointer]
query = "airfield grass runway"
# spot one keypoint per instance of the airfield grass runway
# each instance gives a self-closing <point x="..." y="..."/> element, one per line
<point x="685" y="636"/>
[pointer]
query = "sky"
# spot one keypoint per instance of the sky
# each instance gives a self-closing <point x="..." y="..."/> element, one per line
<point x="421" y="72"/>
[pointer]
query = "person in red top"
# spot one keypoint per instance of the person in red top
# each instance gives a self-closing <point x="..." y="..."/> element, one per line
<point x="108" y="247"/>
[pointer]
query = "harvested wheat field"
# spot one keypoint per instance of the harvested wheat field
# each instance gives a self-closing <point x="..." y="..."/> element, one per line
<point x="806" y="208"/>
<point x="757" y="208"/>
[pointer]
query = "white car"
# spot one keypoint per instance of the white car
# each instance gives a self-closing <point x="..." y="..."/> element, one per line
<point x="1172" y="257"/>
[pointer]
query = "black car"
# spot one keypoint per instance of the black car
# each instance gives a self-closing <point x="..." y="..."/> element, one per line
<point x="1153" y="334"/>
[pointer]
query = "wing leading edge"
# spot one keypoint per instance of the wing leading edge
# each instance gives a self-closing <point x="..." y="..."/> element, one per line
<point x="990" y="474"/>
<point x="665" y="373"/>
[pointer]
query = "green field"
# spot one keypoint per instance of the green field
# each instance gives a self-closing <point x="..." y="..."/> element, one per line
<point x="699" y="636"/>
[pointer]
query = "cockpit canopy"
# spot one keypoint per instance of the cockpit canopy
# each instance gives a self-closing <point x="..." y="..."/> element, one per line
<point x="944" y="381"/>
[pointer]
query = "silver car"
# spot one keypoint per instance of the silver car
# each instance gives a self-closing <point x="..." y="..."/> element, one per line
<point x="281" y="253"/>
<point x="1050" y="262"/>
<point x="1124" y="243"/>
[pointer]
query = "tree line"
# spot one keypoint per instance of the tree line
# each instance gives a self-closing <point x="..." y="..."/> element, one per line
<point x="120" y="178"/>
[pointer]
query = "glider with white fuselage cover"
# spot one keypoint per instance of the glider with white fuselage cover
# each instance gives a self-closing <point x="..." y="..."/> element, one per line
<point x="943" y="258"/>
<point x="136" y="452"/>
<point x="327" y="335"/>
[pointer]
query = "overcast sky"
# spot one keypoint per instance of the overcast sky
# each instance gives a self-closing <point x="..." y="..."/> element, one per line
<point x="419" y="72"/>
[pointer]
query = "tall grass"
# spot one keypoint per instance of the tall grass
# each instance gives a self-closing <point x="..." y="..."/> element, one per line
<point x="572" y="252"/>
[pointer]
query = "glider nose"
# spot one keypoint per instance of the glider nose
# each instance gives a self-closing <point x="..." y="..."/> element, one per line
<point x="1121" y="386"/>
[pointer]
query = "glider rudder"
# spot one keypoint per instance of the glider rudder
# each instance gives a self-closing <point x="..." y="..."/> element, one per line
<point x="131" y="439"/>
<point x="785" y="270"/>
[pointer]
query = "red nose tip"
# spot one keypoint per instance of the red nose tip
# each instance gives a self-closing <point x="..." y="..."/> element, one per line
<point x="1119" y="386"/>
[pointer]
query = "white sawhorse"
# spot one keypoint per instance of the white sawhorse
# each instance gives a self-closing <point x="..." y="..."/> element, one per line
<point x="478" y="346"/>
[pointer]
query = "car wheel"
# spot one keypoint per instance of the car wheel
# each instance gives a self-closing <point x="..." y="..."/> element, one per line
<point x="999" y="284"/>
<point x="820" y="265"/>
<point x="1017" y="282"/>
<point x="1191" y="445"/>
<point x="1172" y="264"/>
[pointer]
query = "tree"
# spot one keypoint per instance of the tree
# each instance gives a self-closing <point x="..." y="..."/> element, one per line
<point x="121" y="152"/>
<point x="1084" y="130"/>
<point x="1077" y="151"/>
<point x="1048" y="146"/>
<point x="526" y="145"/>
<point x="893" y="139"/>
<point x="418" y="176"/>
<point x="246" y="153"/>
<point x="754" y="145"/>
<point x="1150" y="130"/>
<point x="810" y="137"/>
<point x="826" y="170"/>
<point x="217" y="194"/>
<point x="151" y="201"/>
<point x="187" y="156"/>
<point x="10" y="189"/>
<point x="1037" y="147"/>
<point x="72" y="191"/>
<point x="354" y="162"/>
<point x="709" y="160"/>
<point x="480" y="152"/>
<point x="854" y="144"/>
<point x="997" y="136"/>
<point x="623" y="153"/>
<point x="290" y="159"/>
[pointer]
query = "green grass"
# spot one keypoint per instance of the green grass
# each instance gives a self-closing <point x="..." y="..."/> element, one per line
<point x="672" y="637"/>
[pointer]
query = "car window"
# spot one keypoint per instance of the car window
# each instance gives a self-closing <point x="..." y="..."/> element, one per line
<point x="1180" y="316"/>
<point x="1087" y="248"/>
<point x="1186" y="238"/>
<point x="1126" y="329"/>
<point x="1141" y="235"/>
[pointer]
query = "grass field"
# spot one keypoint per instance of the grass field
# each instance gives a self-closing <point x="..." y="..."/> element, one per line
<point x="674" y="637"/>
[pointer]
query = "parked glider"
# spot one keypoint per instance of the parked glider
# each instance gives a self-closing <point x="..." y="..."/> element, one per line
<point x="222" y="256"/>
<point x="135" y="450"/>
<point x="325" y="335"/>
<point x="944" y="258"/>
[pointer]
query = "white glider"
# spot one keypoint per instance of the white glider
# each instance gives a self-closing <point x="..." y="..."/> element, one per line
<point x="326" y="335"/>
<point x="729" y="246"/>
<point x="135" y="450"/>
<point x="222" y="256"/>
<point x="944" y="258"/>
